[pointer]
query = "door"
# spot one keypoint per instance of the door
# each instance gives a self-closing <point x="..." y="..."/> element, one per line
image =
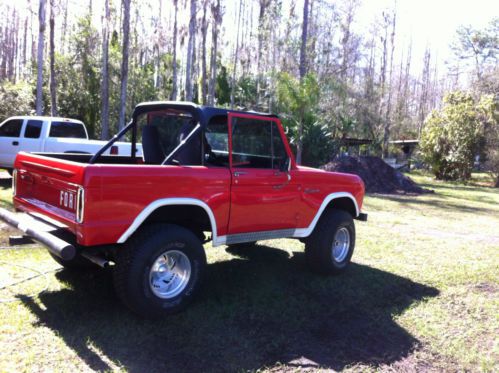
<point x="30" y="140"/>
<point x="264" y="197"/>
<point x="10" y="132"/>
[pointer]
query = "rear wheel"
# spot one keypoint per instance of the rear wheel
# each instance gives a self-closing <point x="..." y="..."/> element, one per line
<point x="159" y="270"/>
<point x="330" y="248"/>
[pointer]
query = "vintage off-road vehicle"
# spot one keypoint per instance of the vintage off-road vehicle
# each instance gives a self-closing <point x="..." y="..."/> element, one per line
<point x="205" y="172"/>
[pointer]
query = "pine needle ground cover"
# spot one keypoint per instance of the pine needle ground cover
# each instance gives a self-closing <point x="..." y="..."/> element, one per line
<point x="422" y="294"/>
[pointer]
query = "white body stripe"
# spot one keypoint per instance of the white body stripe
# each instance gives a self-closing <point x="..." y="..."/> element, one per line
<point x="305" y="232"/>
<point x="221" y="240"/>
<point x="169" y="202"/>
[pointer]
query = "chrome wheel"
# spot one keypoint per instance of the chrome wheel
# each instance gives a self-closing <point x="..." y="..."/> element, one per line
<point x="341" y="244"/>
<point x="170" y="274"/>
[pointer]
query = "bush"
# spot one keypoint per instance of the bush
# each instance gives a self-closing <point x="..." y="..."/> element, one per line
<point x="452" y="136"/>
<point x="16" y="99"/>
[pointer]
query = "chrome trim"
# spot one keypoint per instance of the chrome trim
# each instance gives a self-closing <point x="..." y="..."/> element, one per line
<point x="80" y="205"/>
<point x="258" y="236"/>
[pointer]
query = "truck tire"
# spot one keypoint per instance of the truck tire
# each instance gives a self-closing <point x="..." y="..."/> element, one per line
<point x="77" y="263"/>
<point x="159" y="270"/>
<point x="330" y="247"/>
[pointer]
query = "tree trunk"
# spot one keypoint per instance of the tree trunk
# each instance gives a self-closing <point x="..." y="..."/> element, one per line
<point x="25" y="47"/>
<point x="303" y="72"/>
<point x="215" y="9"/>
<point x="173" y="95"/>
<point x="204" y="30"/>
<point x="497" y="182"/>
<point x="104" y="117"/>
<point x="53" y="94"/>
<point x="386" y="134"/>
<point x="236" y="57"/>
<point x="39" y="79"/>
<point x="190" y="53"/>
<point x="124" y="62"/>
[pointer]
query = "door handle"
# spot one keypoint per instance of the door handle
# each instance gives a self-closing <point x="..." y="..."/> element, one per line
<point x="15" y="143"/>
<point x="239" y="173"/>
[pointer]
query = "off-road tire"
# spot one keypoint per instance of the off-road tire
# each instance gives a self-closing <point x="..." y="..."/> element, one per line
<point x="134" y="262"/>
<point x="319" y="246"/>
<point x="77" y="263"/>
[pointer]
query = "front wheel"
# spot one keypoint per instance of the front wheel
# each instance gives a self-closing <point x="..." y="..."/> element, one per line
<point x="330" y="247"/>
<point x="159" y="270"/>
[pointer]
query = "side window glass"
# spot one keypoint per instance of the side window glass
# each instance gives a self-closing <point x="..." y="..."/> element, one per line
<point x="257" y="144"/>
<point x="67" y="130"/>
<point x="217" y="142"/>
<point x="12" y="128"/>
<point x="33" y="129"/>
<point x="251" y="143"/>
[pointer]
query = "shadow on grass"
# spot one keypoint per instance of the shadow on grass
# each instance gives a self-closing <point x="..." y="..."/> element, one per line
<point x="256" y="310"/>
<point x="5" y="183"/>
<point x="443" y="203"/>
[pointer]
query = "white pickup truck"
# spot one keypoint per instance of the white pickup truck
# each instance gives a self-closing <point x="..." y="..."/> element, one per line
<point x="50" y="135"/>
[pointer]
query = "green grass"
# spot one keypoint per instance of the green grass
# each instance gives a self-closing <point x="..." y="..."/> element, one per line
<point x="422" y="294"/>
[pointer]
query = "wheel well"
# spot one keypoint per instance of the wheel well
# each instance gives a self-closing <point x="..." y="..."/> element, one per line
<point x="192" y="217"/>
<point x="343" y="203"/>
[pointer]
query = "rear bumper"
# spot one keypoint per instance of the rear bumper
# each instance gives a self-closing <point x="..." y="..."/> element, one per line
<point x="40" y="231"/>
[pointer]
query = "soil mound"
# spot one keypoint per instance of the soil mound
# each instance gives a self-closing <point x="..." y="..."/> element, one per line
<point x="378" y="176"/>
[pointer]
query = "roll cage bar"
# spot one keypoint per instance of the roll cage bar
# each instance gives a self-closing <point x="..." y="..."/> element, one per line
<point x="200" y="114"/>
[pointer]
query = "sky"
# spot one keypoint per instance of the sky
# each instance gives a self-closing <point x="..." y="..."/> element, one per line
<point x="430" y="23"/>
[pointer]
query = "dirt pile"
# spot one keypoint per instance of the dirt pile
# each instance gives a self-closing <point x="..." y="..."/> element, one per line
<point x="377" y="175"/>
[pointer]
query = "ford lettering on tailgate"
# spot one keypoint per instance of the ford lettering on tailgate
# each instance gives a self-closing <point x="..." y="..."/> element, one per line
<point x="67" y="200"/>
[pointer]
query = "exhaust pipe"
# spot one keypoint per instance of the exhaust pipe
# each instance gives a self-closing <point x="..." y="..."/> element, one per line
<point x="103" y="263"/>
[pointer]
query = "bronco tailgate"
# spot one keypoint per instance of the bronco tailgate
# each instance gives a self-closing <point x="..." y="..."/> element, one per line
<point x="51" y="187"/>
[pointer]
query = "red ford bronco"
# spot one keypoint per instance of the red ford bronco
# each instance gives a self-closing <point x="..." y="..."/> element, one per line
<point x="205" y="172"/>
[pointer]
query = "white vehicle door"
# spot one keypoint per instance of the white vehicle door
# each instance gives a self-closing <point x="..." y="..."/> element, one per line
<point x="31" y="139"/>
<point x="10" y="132"/>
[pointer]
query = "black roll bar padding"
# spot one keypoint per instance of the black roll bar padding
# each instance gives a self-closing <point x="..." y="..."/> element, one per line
<point x="112" y="141"/>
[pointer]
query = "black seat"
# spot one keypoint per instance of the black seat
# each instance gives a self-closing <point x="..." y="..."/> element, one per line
<point x="151" y="147"/>
<point x="190" y="153"/>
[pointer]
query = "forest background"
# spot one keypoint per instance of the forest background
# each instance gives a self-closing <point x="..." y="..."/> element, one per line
<point x="316" y="63"/>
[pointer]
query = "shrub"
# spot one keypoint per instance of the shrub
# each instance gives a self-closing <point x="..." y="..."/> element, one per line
<point x="452" y="136"/>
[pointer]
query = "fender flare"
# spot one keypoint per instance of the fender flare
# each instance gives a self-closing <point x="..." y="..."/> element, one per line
<point x="144" y="214"/>
<point x="305" y="232"/>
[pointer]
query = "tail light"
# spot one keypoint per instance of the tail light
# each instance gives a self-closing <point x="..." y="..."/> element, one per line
<point x="114" y="150"/>
<point x="14" y="182"/>
<point x="80" y="205"/>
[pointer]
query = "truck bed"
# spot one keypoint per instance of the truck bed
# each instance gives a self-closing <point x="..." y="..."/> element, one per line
<point x="111" y="196"/>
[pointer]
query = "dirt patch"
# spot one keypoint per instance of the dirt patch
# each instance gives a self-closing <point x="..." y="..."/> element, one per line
<point x="378" y="176"/>
<point x="486" y="287"/>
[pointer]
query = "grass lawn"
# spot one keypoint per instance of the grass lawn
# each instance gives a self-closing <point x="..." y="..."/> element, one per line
<point x="422" y="294"/>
